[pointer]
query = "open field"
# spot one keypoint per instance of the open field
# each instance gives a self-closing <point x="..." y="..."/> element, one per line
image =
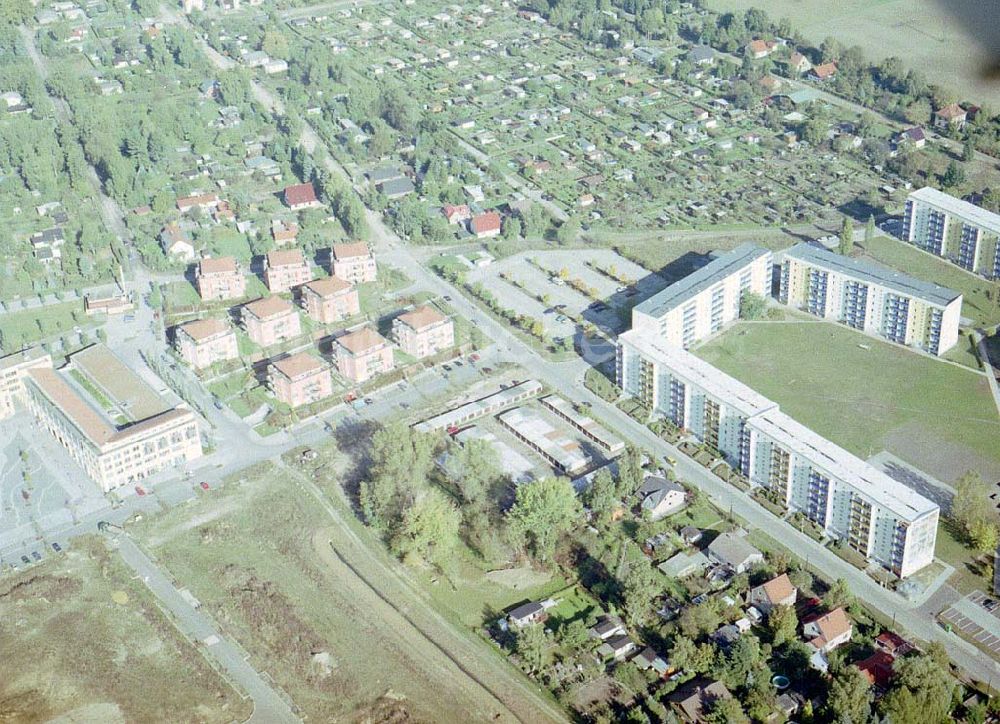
<point x="82" y="639"/>
<point x="292" y="585"/>
<point x="927" y="37"/>
<point x="935" y="415"/>
<point x="913" y="261"/>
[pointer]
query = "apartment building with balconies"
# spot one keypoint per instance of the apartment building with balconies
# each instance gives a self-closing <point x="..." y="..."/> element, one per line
<point x="423" y="332"/>
<point x="963" y="233"/>
<point x="704" y="302"/>
<point x="870" y="298"/>
<point x="220" y="278"/>
<point x="203" y="342"/>
<point x="300" y="379"/>
<point x="285" y="269"/>
<point x="329" y="300"/>
<point x="363" y="354"/>
<point x="353" y="263"/>
<point x="270" y="320"/>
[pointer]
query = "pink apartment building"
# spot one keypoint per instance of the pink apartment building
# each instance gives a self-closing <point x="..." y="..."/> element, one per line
<point x="285" y="269"/>
<point x="363" y="354"/>
<point x="300" y="379"/>
<point x="353" y="263"/>
<point x="270" y="320"/>
<point x="330" y="300"/>
<point x="423" y="332"/>
<point x="204" y="342"/>
<point x="220" y="278"/>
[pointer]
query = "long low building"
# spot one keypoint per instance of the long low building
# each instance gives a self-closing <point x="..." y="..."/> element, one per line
<point x="113" y="424"/>
<point x="610" y="444"/>
<point x="851" y="500"/>
<point x="515" y="466"/>
<point x="962" y="233"/>
<point x="489" y="405"/>
<point x="561" y="451"/>
<point x="706" y="300"/>
<point x="871" y="298"/>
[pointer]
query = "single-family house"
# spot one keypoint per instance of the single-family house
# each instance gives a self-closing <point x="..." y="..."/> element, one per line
<point x="951" y="116"/>
<point x="824" y="71"/>
<point x="701" y="55"/>
<point x="175" y="243"/>
<point x="486" y="225"/>
<point x="617" y="647"/>
<point x="606" y="627"/>
<point x="527" y="614"/>
<point x="779" y="591"/>
<point x="758" y="49"/>
<point x="301" y="196"/>
<point x="733" y="551"/>
<point x="825" y="633"/>
<point x="694" y="701"/>
<point x="660" y="497"/>
<point x="799" y="63"/>
<point x="397" y="188"/>
<point x="456" y="214"/>
<point x="649" y="659"/>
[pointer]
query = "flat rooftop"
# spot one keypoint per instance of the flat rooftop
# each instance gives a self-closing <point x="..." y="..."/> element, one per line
<point x="874" y="273"/>
<point x="698" y="372"/>
<point x="704" y="278"/>
<point x="556" y="445"/>
<point x="481" y="407"/>
<point x="868" y="480"/>
<point x="124" y="389"/>
<point x="517" y="467"/>
<point x="957" y="207"/>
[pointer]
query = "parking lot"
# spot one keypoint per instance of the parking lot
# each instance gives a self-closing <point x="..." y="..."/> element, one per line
<point x="972" y="618"/>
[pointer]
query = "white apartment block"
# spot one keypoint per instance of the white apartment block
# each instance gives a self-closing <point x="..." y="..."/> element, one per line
<point x="851" y="500"/>
<point x="705" y="301"/>
<point x="119" y="438"/>
<point x="871" y="298"/>
<point x="956" y="230"/>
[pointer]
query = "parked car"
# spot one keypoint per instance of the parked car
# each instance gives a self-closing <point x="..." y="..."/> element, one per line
<point x="25" y="560"/>
<point x="204" y="485"/>
<point x="56" y="547"/>
<point x="139" y="490"/>
<point x="36" y="555"/>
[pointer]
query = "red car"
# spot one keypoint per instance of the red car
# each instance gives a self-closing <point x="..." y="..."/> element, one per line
<point x="204" y="485"/>
<point x="474" y="357"/>
<point x="139" y="490"/>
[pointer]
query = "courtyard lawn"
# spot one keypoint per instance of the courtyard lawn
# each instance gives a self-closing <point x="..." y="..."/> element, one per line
<point x="937" y="416"/>
<point x="908" y="259"/>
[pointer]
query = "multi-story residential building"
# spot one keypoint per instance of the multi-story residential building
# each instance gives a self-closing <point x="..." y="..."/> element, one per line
<point x="956" y="230"/>
<point x="285" y="269"/>
<point x="220" y="278"/>
<point x="112" y="424"/>
<point x="363" y="354"/>
<point x="13" y="369"/>
<point x="353" y="263"/>
<point x="300" y="379"/>
<point x="704" y="302"/>
<point x="423" y="332"/>
<point x="881" y="518"/>
<point x="688" y="391"/>
<point x="870" y="298"/>
<point x="270" y="320"/>
<point x="329" y="300"/>
<point x="204" y="342"/>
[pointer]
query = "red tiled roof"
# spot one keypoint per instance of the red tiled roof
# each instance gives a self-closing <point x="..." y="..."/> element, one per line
<point x="490" y="221"/>
<point x="288" y="257"/>
<point x="300" y="194"/>
<point x="350" y="251"/>
<point x="827" y="70"/>
<point x="218" y="265"/>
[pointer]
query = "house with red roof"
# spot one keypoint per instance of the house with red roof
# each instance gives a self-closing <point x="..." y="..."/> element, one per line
<point x="483" y="226"/>
<point x="456" y="214"/>
<point x="824" y="71"/>
<point x="951" y="116"/>
<point x="301" y="196"/>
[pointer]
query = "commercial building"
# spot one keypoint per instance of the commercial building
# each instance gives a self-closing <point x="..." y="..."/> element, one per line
<point x="113" y="424"/>
<point x="285" y="269"/>
<point x="870" y="298"/>
<point x="423" y="332"/>
<point x="956" y="230"/>
<point x="705" y="301"/>
<point x="879" y="517"/>
<point x="204" y="342"/>
<point x="270" y="320"/>
<point x="353" y="263"/>
<point x="363" y="354"/>
<point x="489" y="405"/>
<point x="329" y="300"/>
<point x="560" y="451"/>
<point x="220" y="278"/>
<point x="300" y="379"/>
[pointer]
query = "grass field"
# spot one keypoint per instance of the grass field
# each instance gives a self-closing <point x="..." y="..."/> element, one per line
<point x="288" y="583"/>
<point x="906" y="258"/>
<point x="27" y="326"/>
<point x="70" y="650"/>
<point x="921" y="32"/>
<point x="935" y="415"/>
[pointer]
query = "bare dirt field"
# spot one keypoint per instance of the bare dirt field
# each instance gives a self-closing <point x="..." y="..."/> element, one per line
<point x="920" y="32"/>
<point x="322" y="617"/>
<point x="71" y="653"/>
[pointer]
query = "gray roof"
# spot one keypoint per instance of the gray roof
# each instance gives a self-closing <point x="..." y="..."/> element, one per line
<point x="967" y="212"/>
<point x="525" y="610"/>
<point x="732" y="549"/>
<point x="873" y="273"/>
<point x="397" y="187"/>
<point x="701" y="52"/>
<point x="656" y="484"/>
<point x="697" y="282"/>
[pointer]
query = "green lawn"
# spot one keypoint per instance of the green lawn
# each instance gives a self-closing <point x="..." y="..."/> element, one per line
<point x="23" y="328"/>
<point x="935" y="415"/>
<point x="906" y="258"/>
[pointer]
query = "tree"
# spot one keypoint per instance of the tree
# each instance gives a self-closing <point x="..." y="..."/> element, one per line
<point x="970" y="500"/>
<point x="870" y="230"/>
<point x="838" y="595"/>
<point x="401" y="459"/>
<point x="543" y="511"/>
<point x="783" y="623"/>
<point x="530" y="645"/>
<point x="601" y="496"/>
<point x="639" y="587"/>
<point x="984" y="535"/>
<point x="752" y="306"/>
<point x="15" y="12"/>
<point x="429" y="529"/>
<point x="726" y="711"/>
<point x="846" y="236"/>
<point x="629" y="471"/>
<point x="953" y="176"/>
<point x="968" y="150"/>
<point x="683" y="653"/>
<point x="574" y="634"/>
<point x="922" y="691"/>
<point x="568" y="232"/>
<point x="474" y="467"/>
<point x="701" y="619"/>
<point x="275" y="44"/>
<point x="743" y="659"/>
<point x="850" y="696"/>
